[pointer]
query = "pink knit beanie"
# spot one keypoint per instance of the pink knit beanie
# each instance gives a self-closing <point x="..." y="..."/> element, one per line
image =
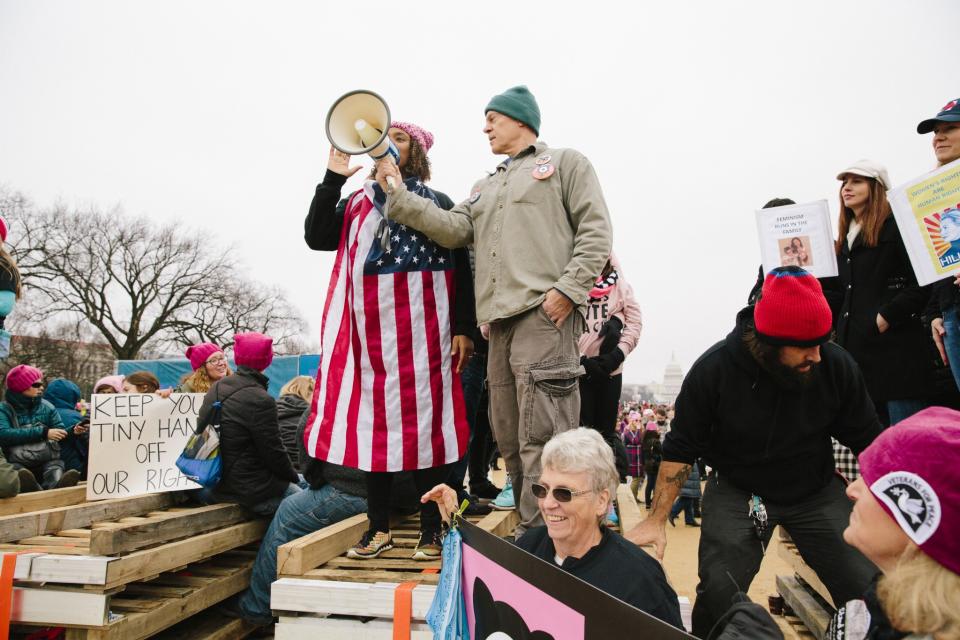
<point x="110" y="381"/>
<point x="253" y="350"/>
<point x="22" y="376"/>
<point x="423" y="137"/>
<point x="197" y="354"/>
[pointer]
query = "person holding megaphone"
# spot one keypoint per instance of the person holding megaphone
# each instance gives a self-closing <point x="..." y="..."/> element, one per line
<point x="542" y="235"/>
<point x="396" y="322"/>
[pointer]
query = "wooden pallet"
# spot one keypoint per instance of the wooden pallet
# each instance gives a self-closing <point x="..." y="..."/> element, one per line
<point x="322" y="554"/>
<point x="146" y="608"/>
<point x="77" y="516"/>
<point x="105" y="573"/>
<point x="39" y="500"/>
<point x="787" y="550"/>
<point x="806" y="604"/>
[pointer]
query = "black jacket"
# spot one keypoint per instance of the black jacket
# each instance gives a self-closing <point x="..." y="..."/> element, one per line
<point x="255" y="464"/>
<point x="899" y="363"/>
<point x="290" y="408"/>
<point x="616" y="567"/>
<point x="324" y="224"/>
<point x="764" y="438"/>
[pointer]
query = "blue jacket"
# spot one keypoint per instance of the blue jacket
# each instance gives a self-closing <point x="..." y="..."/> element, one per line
<point x="64" y="396"/>
<point x="691" y="488"/>
<point x="24" y="419"/>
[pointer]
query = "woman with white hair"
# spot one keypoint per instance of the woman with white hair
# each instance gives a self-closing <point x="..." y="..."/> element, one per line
<point x="574" y="493"/>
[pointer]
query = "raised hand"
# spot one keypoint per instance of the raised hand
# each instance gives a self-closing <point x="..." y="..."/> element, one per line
<point x="339" y="162"/>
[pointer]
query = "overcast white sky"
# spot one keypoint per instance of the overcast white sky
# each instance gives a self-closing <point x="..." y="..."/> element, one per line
<point x="694" y="114"/>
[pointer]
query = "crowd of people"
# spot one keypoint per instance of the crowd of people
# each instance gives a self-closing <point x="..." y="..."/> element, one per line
<point x="503" y="322"/>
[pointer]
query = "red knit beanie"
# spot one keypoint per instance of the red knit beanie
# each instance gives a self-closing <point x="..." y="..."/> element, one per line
<point x="792" y="310"/>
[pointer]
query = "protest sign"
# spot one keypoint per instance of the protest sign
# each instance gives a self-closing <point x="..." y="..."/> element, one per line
<point x="135" y="441"/>
<point x="511" y="592"/>
<point x="799" y="235"/>
<point x="927" y="211"/>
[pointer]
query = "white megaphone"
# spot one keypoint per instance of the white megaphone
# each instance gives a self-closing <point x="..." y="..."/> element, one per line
<point x="358" y="122"/>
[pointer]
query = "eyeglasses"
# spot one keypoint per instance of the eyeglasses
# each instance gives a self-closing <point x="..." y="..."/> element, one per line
<point x="216" y="360"/>
<point x="560" y="494"/>
<point x="37" y="385"/>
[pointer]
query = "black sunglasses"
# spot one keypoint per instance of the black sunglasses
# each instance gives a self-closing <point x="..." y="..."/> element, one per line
<point x="37" y="385"/>
<point x="560" y="494"/>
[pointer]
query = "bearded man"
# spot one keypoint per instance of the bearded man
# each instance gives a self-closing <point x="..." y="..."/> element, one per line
<point x="760" y="408"/>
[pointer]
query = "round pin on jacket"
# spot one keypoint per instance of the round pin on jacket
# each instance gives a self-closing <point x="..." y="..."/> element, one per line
<point x="543" y="171"/>
<point x="544" y="159"/>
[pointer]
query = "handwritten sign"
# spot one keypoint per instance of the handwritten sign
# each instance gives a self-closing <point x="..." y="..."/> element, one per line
<point x="135" y="441"/>
<point x="927" y="211"/>
<point x="799" y="235"/>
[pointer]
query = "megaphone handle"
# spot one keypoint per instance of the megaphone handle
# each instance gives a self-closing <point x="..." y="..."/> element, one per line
<point x="391" y="184"/>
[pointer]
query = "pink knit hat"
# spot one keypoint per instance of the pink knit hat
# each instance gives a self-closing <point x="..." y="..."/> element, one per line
<point x="912" y="470"/>
<point x="423" y="137"/>
<point x="22" y="376"/>
<point x="652" y="426"/>
<point x="3" y="229"/>
<point x="253" y="350"/>
<point x="111" y="381"/>
<point x="197" y="354"/>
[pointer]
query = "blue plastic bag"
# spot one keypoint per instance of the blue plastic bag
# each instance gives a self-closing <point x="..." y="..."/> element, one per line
<point x="448" y="611"/>
<point x="201" y="460"/>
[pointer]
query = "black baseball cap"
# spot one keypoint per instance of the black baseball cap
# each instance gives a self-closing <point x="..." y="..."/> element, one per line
<point x="949" y="113"/>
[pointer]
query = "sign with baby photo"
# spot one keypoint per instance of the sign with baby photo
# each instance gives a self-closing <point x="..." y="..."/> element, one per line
<point x="798" y="235"/>
<point x="135" y="441"/>
<point x="927" y="211"/>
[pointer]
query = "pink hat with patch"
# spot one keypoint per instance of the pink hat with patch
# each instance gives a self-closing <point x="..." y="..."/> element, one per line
<point x="912" y="470"/>
<point x="423" y="137"/>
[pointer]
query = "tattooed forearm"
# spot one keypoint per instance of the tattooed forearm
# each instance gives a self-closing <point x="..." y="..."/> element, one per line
<point x="669" y="481"/>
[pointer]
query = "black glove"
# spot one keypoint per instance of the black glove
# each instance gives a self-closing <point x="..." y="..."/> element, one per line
<point x="611" y="331"/>
<point x="609" y="362"/>
<point x="593" y="370"/>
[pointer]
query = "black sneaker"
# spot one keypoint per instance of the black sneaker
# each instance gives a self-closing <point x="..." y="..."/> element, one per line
<point x="68" y="479"/>
<point x="475" y="508"/>
<point x="485" y="490"/>
<point x="371" y="545"/>
<point x="429" y="546"/>
<point x="28" y="482"/>
<point x="231" y="609"/>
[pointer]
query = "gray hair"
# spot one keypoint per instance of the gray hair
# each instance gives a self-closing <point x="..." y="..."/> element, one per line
<point x="583" y="450"/>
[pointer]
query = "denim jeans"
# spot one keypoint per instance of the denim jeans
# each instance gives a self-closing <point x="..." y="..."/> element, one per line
<point x="902" y="409"/>
<point x="951" y="340"/>
<point x="471" y="379"/>
<point x="685" y="504"/>
<point x="299" y="514"/>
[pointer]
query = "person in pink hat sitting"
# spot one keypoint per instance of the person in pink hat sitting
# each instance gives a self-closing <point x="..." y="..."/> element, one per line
<point x="209" y="364"/>
<point x="906" y="519"/>
<point x="30" y="432"/>
<point x="257" y="473"/>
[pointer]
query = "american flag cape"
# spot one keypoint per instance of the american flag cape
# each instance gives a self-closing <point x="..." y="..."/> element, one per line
<point x="386" y="395"/>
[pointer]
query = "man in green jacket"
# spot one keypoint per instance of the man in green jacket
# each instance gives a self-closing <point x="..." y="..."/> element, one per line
<point x="541" y="232"/>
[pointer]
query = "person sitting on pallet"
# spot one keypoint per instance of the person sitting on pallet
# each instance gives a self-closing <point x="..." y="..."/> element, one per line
<point x="576" y="487"/>
<point x="335" y="493"/>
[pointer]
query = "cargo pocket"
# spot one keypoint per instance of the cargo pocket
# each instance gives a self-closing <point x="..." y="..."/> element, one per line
<point x="552" y="402"/>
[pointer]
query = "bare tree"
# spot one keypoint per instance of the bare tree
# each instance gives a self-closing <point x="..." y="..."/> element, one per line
<point x="137" y="283"/>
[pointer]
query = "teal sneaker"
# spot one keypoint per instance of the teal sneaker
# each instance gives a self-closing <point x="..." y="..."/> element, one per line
<point x="504" y="501"/>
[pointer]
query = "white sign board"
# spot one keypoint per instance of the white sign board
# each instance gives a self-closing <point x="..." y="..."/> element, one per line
<point x="135" y="441"/>
<point x="799" y="235"/>
<point x="927" y="211"/>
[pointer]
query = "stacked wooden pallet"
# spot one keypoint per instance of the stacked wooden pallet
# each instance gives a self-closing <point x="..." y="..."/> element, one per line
<point x="804" y="593"/>
<point x="123" y="568"/>
<point x="322" y="593"/>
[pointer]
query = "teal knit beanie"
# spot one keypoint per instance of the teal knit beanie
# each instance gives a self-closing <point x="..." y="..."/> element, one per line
<point x="518" y="103"/>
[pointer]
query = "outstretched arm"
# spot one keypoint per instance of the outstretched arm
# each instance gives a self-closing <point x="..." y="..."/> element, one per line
<point x="653" y="530"/>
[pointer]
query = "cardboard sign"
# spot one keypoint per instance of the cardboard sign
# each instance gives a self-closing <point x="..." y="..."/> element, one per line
<point x="510" y="591"/>
<point x="135" y="441"/>
<point x="799" y="235"/>
<point x="927" y="211"/>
